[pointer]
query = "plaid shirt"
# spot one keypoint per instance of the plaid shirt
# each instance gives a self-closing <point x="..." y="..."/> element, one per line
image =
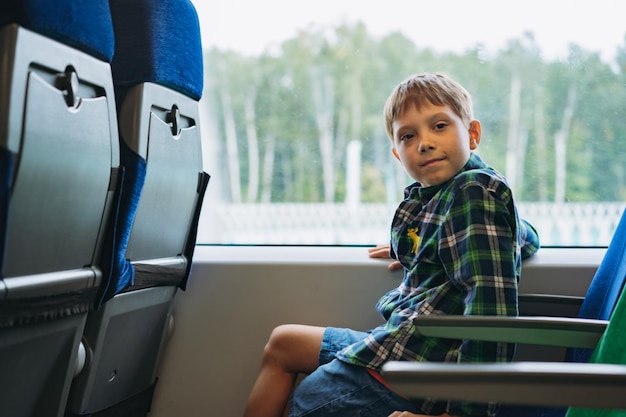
<point x="461" y="244"/>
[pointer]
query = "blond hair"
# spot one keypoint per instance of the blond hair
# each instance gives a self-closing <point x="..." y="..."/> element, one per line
<point x="436" y="89"/>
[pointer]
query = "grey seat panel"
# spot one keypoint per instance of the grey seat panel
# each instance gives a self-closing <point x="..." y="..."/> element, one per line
<point x="58" y="121"/>
<point x="174" y="161"/>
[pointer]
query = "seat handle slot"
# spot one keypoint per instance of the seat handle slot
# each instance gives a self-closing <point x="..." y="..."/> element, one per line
<point x="68" y="83"/>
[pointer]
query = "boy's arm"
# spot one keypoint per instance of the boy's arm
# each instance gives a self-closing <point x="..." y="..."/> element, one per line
<point x="530" y="239"/>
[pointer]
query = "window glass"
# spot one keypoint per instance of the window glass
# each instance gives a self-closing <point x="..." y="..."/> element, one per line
<point x="292" y="126"/>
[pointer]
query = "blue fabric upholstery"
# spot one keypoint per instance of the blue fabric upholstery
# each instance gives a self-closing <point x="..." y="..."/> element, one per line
<point x="157" y="41"/>
<point x="130" y="184"/>
<point x="85" y="24"/>
<point x="606" y="286"/>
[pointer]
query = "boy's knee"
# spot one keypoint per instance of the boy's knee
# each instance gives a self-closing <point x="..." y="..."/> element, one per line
<point x="294" y="347"/>
<point x="281" y="339"/>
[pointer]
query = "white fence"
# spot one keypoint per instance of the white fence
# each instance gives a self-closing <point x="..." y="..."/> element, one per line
<point x="567" y="224"/>
<point x="573" y="224"/>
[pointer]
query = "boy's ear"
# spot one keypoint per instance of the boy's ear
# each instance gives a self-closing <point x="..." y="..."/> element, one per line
<point x="395" y="153"/>
<point x="475" y="133"/>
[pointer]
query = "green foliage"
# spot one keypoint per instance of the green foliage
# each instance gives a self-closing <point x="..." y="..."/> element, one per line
<point x="325" y="88"/>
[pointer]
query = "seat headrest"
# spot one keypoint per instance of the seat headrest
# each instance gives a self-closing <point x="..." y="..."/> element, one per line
<point x="157" y="41"/>
<point x="85" y="24"/>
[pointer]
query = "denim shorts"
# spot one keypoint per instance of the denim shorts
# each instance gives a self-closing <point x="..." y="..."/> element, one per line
<point x="341" y="389"/>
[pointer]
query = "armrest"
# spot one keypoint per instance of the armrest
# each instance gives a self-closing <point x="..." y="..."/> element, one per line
<point x="525" y="383"/>
<point x="551" y="298"/>
<point x="545" y="331"/>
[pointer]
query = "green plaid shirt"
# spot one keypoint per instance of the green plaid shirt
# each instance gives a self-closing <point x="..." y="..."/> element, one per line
<point x="461" y="244"/>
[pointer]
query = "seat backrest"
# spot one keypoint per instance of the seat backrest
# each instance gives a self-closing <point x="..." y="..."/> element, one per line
<point x="58" y="152"/>
<point x="599" y="303"/>
<point x="158" y="77"/>
<point x="606" y="286"/>
<point x="57" y="125"/>
<point x="611" y="348"/>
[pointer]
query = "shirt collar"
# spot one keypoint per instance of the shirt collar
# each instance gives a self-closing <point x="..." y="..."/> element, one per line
<point x="415" y="191"/>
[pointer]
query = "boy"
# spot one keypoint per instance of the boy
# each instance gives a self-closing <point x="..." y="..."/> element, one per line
<point x="459" y="240"/>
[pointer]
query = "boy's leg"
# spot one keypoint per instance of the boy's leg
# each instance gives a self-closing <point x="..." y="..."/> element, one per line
<point x="291" y="349"/>
<point x="339" y="389"/>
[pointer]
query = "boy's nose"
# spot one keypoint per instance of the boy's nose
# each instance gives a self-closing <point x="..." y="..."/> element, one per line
<point x="426" y="145"/>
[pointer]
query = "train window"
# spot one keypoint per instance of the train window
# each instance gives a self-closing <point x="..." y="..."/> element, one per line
<point x="292" y="112"/>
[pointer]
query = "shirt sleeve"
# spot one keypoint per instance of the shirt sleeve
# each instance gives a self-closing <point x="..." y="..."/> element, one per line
<point x="480" y="251"/>
<point x="530" y="239"/>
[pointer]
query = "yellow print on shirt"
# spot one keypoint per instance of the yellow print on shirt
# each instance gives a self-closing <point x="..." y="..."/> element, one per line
<point x="412" y="234"/>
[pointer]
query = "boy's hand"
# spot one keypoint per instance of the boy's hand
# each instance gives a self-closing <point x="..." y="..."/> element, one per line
<point x="383" y="252"/>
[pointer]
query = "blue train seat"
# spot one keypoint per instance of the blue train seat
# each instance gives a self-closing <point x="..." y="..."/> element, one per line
<point x="59" y="158"/>
<point x="599" y="303"/>
<point x="158" y="77"/>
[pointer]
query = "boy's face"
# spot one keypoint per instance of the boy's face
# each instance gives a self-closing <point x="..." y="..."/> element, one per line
<point x="433" y="144"/>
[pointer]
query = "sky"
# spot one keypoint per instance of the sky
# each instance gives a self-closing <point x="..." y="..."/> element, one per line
<point x="251" y="26"/>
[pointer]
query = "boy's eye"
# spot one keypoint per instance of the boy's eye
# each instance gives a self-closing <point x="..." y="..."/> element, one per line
<point x="440" y="125"/>
<point x="408" y="136"/>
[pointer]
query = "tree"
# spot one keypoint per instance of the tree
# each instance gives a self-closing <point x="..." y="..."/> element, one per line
<point x="286" y="117"/>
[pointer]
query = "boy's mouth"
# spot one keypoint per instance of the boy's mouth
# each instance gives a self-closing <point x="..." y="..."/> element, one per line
<point x="431" y="162"/>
